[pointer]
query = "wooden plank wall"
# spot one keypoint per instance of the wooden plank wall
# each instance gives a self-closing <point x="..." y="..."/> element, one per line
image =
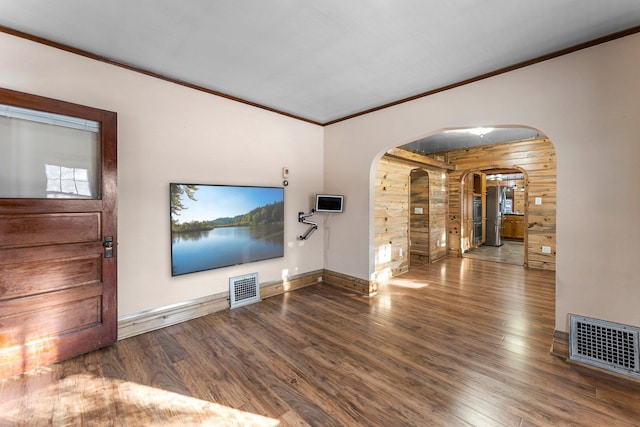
<point x="466" y="218"/>
<point x="392" y="218"/>
<point x="419" y="222"/>
<point x="538" y="159"/>
<point x="438" y="212"/>
<point x="518" y="197"/>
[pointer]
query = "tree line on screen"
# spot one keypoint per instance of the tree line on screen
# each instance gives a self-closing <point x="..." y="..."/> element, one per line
<point x="272" y="213"/>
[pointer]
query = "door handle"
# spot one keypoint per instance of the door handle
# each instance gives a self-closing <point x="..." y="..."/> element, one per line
<point x="107" y="244"/>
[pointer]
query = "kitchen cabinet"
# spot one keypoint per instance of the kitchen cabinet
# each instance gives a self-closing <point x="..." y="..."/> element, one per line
<point x="513" y="226"/>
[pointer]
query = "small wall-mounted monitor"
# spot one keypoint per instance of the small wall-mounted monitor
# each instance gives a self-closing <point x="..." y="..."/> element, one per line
<point x="329" y="203"/>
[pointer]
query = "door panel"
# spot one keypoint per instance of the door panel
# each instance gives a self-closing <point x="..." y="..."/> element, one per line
<point x="49" y="229"/>
<point x="50" y="321"/>
<point x="29" y="278"/>
<point x="57" y="290"/>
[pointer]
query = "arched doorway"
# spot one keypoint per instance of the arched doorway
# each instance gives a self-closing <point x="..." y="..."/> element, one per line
<point x="537" y="159"/>
<point x="534" y="156"/>
<point x="395" y="207"/>
<point x="494" y="215"/>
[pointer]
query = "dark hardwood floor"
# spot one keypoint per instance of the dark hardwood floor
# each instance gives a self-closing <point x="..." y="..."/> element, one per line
<point x="461" y="342"/>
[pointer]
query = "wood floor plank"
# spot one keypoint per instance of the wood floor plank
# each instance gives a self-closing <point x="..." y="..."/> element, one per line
<point x="462" y="342"/>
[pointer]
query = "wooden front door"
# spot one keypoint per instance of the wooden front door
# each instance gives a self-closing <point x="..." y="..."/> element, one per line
<point x="58" y="275"/>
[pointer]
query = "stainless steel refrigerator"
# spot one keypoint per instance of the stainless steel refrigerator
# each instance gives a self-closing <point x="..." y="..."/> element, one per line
<point x="495" y="215"/>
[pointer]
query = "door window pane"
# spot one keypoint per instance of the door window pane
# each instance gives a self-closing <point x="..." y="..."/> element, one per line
<point x="46" y="155"/>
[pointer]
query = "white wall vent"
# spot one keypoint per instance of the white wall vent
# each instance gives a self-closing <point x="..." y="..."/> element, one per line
<point x="244" y="289"/>
<point x="606" y="345"/>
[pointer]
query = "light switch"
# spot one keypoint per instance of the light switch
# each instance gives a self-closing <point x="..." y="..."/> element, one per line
<point x="546" y="249"/>
<point x="417" y="211"/>
<point x="538" y="200"/>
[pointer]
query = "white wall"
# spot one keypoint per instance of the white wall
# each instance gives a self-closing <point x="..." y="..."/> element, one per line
<point x="168" y="133"/>
<point x="588" y="103"/>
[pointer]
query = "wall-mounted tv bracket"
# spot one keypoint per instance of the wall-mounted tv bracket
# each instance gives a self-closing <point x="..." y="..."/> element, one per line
<point x="302" y="217"/>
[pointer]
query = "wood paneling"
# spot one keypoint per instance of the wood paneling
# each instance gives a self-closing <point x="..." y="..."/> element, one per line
<point x="419" y="218"/>
<point x="449" y="228"/>
<point x="456" y="343"/>
<point x="419" y="160"/>
<point x="438" y="210"/>
<point x="394" y="213"/>
<point x="392" y="218"/>
<point x="534" y="157"/>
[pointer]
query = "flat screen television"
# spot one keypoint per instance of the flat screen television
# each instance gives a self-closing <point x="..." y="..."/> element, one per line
<point x="329" y="203"/>
<point x="214" y="226"/>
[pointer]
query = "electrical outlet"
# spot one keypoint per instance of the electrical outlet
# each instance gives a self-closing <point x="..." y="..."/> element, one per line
<point x="538" y="200"/>
<point x="546" y="249"/>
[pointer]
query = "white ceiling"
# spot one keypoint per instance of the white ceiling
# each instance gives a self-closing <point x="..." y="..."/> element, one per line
<point x="320" y="60"/>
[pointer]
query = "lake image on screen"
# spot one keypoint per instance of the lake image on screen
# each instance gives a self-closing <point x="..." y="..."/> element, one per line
<point x="218" y="226"/>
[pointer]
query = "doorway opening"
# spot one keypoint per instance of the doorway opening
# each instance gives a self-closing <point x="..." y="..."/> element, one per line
<point x="494" y="215"/>
<point x="524" y="159"/>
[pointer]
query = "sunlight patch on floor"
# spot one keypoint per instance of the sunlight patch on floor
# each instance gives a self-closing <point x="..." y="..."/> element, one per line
<point x="149" y="406"/>
<point x="407" y="283"/>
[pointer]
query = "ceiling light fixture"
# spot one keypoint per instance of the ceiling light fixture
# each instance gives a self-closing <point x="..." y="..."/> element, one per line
<point x="480" y="131"/>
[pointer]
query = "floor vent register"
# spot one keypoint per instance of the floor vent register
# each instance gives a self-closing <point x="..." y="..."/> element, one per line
<point x="244" y="289"/>
<point x="606" y="345"/>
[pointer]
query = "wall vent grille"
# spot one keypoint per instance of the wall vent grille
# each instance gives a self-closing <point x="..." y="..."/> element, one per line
<point x="606" y="345"/>
<point x="244" y="289"/>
